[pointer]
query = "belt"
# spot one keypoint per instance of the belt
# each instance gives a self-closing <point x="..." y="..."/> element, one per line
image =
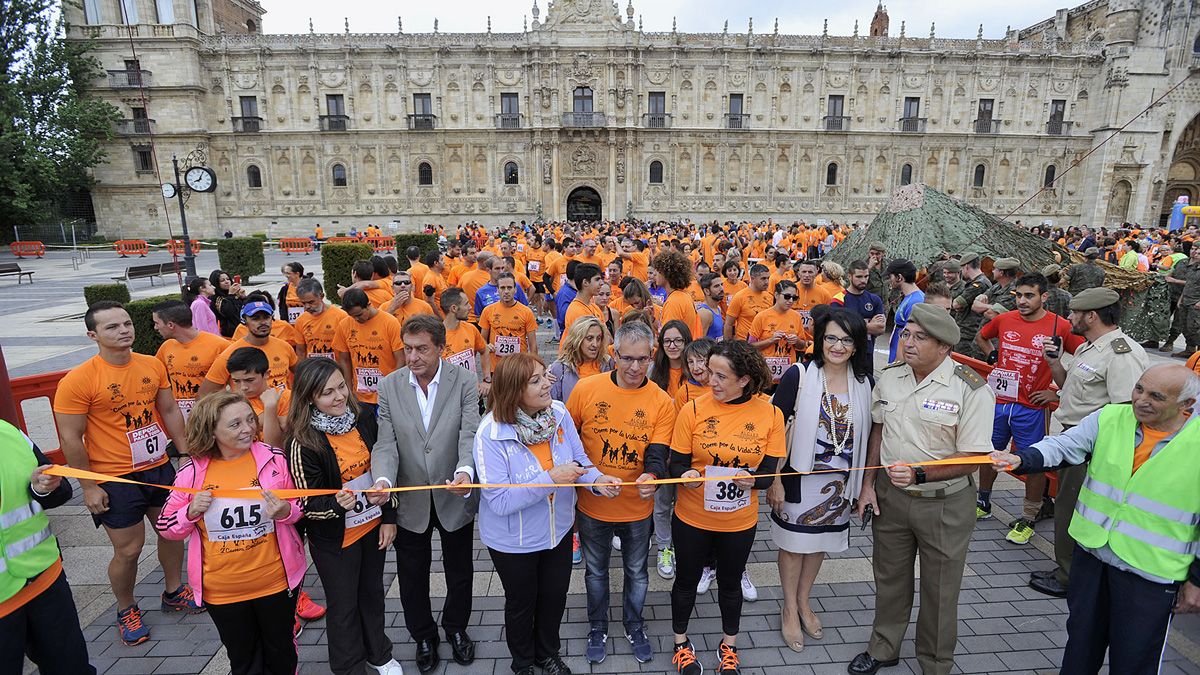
<point x="938" y="493"/>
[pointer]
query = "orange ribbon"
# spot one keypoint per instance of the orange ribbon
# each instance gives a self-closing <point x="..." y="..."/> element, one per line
<point x="249" y="493"/>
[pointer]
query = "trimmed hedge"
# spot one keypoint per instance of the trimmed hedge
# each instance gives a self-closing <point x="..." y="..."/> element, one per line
<point x="241" y="255"/>
<point x="97" y="292"/>
<point x="425" y="242"/>
<point x="146" y="340"/>
<point x="336" y="261"/>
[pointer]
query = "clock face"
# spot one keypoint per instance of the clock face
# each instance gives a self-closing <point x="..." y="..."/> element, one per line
<point x="168" y="190"/>
<point x="200" y="179"/>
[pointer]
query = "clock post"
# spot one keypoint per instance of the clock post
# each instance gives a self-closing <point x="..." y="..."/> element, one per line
<point x="189" y="258"/>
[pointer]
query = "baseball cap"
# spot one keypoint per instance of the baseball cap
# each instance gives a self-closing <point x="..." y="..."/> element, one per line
<point x="255" y="307"/>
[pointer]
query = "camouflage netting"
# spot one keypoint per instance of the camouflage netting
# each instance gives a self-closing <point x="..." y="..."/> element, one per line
<point x="1146" y="299"/>
<point x="918" y="223"/>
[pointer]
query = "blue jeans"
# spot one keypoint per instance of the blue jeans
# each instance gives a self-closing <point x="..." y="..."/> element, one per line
<point x="595" y="537"/>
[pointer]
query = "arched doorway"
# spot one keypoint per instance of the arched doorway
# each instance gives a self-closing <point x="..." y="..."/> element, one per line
<point x="1183" y="174"/>
<point x="583" y="204"/>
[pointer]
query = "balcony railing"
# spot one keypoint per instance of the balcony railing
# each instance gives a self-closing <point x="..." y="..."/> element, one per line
<point x="126" y="79"/>
<point x="583" y="119"/>
<point x="986" y="126"/>
<point x="335" y="122"/>
<point x="836" y="123"/>
<point x="737" y="121"/>
<point x="1058" y="128"/>
<point x="422" y="122"/>
<point x="912" y="125"/>
<point x="656" y="120"/>
<point x="508" y="120"/>
<point x="247" y="125"/>
<point x="135" y="127"/>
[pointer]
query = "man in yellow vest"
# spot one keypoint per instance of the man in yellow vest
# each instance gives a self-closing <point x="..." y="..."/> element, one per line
<point x="1136" y="525"/>
<point x="37" y="612"/>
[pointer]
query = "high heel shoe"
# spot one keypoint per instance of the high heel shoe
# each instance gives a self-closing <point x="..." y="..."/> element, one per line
<point x="814" y="631"/>
<point x="794" y="639"/>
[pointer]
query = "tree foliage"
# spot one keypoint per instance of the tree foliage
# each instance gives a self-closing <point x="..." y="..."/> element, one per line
<point x="51" y="132"/>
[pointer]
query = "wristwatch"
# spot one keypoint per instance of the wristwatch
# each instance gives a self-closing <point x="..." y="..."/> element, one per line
<point x="487" y="380"/>
<point x="918" y="475"/>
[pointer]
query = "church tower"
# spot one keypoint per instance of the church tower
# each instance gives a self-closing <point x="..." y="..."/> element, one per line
<point x="879" y="22"/>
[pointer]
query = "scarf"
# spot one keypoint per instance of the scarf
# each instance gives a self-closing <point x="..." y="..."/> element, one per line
<point x="803" y="440"/>
<point x="329" y="424"/>
<point x="536" y="429"/>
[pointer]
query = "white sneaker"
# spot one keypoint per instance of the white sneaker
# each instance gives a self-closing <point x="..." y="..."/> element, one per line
<point x="390" y="668"/>
<point x="749" y="592"/>
<point x="666" y="562"/>
<point x="616" y="543"/>
<point x="706" y="578"/>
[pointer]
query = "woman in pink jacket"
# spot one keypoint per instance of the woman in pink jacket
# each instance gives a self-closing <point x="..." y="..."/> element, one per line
<point x="199" y="293"/>
<point x="245" y="558"/>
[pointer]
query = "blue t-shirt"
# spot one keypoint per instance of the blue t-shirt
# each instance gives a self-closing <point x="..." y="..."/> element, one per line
<point x="490" y="295"/>
<point x="562" y="299"/>
<point x="902" y="314"/>
<point x="866" y="305"/>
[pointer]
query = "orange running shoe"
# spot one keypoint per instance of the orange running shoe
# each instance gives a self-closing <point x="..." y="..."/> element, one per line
<point x="685" y="661"/>
<point x="307" y="609"/>
<point x="729" y="660"/>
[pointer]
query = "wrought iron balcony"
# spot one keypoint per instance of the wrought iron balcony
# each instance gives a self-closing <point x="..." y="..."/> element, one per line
<point x="129" y="79"/>
<point x="583" y="119"/>
<point x="737" y="121"/>
<point x="508" y="120"/>
<point x="837" y="123"/>
<point x="986" y="126"/>
<point x="135" y="127"/>
<point x="335" y="122"/>
<point x="247" y="125"/>
<point x="1058" y="128"/>
<point x="656" y="120"/>
<point x="422" y="122"/>
<point x="912" y="125"/>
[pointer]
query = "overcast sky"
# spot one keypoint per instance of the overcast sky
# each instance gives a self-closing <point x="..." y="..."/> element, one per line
<point x="957" y="19"/>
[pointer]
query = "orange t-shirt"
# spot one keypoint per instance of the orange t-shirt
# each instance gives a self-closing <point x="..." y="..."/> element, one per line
<point x="588" y="368"/>
<point x="414" y="307"/>
<point x="280" y="355"/>
<point x="506" y="327"/>
<point x="809" y="298"/>
<point x="354" y="459"/>
<point x="279" y="329"/>
<point x="745" y="305"/>
<point x="722" y="435"/>
<point x="577" y="308"/>
<point x="188" y="363"/>
<point x="779" y="355"/>
<point x="639" y="265"/>
<point x="418" y="271"/>
<point x="535" y="263"/>
<point x="318" y="331"/>
<point x="543" y="454"/>
<point x="689" y="392"/>
<point x="378" y="297"/>
<point x="1193" y="362"/>
<point x="295" y="307"/>
<point x="241" y="562"/>
<point x="124" y="433"/>
<point x="1150" y="438"/>
<point x="281" y="409"/>
<point x="462" y="344"/>
<point x="615" y="426"/>
<point x="679" y="305"/>
<point x="372" y="347"/>
<point x="557" y="268"/>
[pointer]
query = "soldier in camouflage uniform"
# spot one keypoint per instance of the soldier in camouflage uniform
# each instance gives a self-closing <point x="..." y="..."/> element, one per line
<point x="1189" y="305"/>
<point x="1005" y="272"/>
<point x="1083" y="276"/>
<point x="937" y="267"/>
<point x="975" y="284"/>
<point x="1057" y="298"/>
<point x="1175" y="283"/>
<point x="876" y="281"/>
<point x="952" y="275"/>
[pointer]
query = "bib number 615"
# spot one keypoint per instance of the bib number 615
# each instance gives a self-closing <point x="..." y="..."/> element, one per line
<point x="240" y="516"/>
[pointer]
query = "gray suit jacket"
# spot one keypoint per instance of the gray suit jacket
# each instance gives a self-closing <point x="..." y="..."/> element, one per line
<point x="407" y="454"/>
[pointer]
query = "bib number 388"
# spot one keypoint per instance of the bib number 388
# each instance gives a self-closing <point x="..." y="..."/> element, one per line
<point x="724" y="496"/>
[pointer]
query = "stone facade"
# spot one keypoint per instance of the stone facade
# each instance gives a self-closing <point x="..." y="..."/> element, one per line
<point x="350" y="129"/>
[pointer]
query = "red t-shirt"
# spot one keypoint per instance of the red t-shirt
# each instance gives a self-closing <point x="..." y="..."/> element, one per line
<point x="1020" y="367"/>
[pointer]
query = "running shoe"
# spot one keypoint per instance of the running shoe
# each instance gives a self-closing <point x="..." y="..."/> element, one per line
<point x="597" y="646"/>
<point x="129" y="623"/>
<point x="707" y="576"/>
<point x="307" y="609"/>
<point x="392" y="667"/>
<point x="576" y="551"/>
<point x="666" y="562"/>
<point x="182" y="600"/>
<point x="642" y="651"/>
<point x="982" y="510"/>
<point x="1021" y="532"/>
<point x="729" y="664"/>
<point x="1046" y="512"/>
<point x="685" y="661"/>
<point x="616" y="543"/>
<point x="749" y="592"/>
<point x="297" y="627"/>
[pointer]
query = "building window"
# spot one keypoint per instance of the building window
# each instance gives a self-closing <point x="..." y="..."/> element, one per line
<point x="254" y="176"/>
<point x="143" y="159"/>
<point x="250" y="27"/>
<point x="581" y="100"/>
<point x="1195" y="45"/>
<point x="831" y="173"/>
<point x="129" y="13"/>
<point x="422" y="104"/>
<point x="906" y="174"/>
<point x="977" y="179"/>
<point x="1051" y="174"/>
<point x="511" y="175"/>
<point x="91" y="11"/>
<point x="335" y="104"/>
<point x="166" y="11"/>
<point x="339" y="175"/>
<point x="424" y="174"/>
<point x="912" y="107"/>
<point x="656" y="172"/>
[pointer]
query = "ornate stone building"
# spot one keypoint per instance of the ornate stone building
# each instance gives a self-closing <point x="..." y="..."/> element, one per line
<point x="586" y="115"/>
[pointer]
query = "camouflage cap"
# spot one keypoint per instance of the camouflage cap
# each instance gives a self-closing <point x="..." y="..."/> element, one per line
<point x="952" y="266"/>
<point x="969" y="258"/>
<point x="1094" y="298"/>
<point x="1051" y="269"/>
<point x="877" y="246"/>
<point x="937" y="322"/>
<point x="1007" y="264"/>
<point x="1092" y="252"/>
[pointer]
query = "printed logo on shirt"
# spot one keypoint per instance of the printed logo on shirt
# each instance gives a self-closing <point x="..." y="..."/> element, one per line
<point x="602" y="408"/>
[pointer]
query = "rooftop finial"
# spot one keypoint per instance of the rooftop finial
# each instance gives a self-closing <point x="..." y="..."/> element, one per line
<point x="932" y="29"/>
<point x="672" y="24"/>
<point x="750" y="27"/>
<point x="347" y="20"/>
<point x="435" y="25"/>
<point x="979" y="35"/>
<point x="535" y="11"/>
<point x="310" y="26"/>
<point x="824" y="28"/>
<point x="726" y="30"/>
<point x="856" y="28"/>
<point x="629" y="10"/>
<point x="524" y="24"/>
<point x="639" y="23"/>
<point x="489" y="24"/>
<point x="399" y="24"/>
<point x="901" y="30"/>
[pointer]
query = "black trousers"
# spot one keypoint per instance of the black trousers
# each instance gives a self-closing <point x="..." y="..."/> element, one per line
<point x="1115" y="611"/>
<point x="535" y="597"/>
<point x="693" y="547"/>
<point x="258" y="634"/>
<point x="353" y="582"/>
<point x="47" y="630"/>
<point x="414" y="556"/>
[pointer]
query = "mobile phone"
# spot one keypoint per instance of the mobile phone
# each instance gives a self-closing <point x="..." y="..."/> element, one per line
<point x="237" y="279"/>
<point x="868" y="514"/>
<point x="1057" y="351"/>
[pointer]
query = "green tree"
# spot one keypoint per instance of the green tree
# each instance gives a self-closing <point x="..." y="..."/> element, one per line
<point x="51" y="132"/>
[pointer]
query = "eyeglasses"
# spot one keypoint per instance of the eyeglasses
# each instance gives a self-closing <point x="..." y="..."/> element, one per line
<point x="847" y="342"/>
<point x="634" y="361"/>
<point x="789" y="297"/>
<point x="401" y="283"/>
<point x="673" y="342"/>
<point x="913" y="335"/>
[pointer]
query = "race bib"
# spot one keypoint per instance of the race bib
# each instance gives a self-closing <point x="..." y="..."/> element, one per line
<point x="185" y="406"/>
<point x="535" y="266"/>
<point x="363" y="511"/>
<point x="229" y="519"/>
<point x="778" y="366"/>
<point x="1005" y="383"/>
<point x="368" y="379"/>
<point x="464" y="359"/>
<point x="323" y="355"/>
<point x="507" y="345"/>
<point x="806" y="319"/>
<point x="723" y="496"/>
<point x="294" y="313"/>
<point x="146" y="445"/>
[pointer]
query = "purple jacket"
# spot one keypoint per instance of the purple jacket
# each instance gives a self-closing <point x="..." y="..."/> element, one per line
<point x="203" y="317"/>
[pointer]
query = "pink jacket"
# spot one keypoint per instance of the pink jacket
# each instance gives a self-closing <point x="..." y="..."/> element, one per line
<point x="203" y="317"/>
<point x="273" y="474"/>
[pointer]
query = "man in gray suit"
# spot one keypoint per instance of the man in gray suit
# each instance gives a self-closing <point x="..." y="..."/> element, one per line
<point x="428" y="414"/>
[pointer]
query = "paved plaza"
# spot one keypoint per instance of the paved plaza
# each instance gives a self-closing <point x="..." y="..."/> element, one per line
<point x="1004" y="626"/>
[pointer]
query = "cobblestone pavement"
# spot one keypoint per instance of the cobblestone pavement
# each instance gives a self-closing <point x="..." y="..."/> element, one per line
<point x="1004" y="626"/>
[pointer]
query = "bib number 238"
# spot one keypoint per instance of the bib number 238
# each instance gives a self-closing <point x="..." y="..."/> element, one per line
<point x="724" y="496"/>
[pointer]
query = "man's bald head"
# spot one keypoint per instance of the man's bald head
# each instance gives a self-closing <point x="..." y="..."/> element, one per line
<point x="1164" y="395"/>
